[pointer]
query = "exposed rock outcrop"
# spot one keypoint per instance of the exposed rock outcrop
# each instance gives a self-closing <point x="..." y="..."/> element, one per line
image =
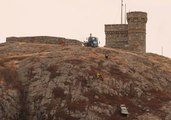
<point x="56" y="82"/>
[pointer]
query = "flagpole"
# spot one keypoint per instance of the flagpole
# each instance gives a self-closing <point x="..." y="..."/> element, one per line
<point x="125" y="14"/>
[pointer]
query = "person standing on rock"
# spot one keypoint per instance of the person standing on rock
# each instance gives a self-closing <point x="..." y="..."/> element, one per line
<point x="99" y="76"/>
<point x="106" y="56"/>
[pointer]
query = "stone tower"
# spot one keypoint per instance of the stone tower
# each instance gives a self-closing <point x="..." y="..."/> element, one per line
<point x="137" y="31"/>
<point x="131" y="36"/>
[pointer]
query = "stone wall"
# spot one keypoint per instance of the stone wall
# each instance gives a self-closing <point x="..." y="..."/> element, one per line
<point x="44" y="40"/>
<point x="116" y="35"/>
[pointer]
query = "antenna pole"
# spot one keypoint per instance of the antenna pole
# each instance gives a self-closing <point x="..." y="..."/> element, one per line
<point x="125" y="14"/>
<point x="121" y="10"/>
<point x="162" y="51"/>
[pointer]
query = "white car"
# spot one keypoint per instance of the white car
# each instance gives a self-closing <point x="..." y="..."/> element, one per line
<point x="124" y="109"/>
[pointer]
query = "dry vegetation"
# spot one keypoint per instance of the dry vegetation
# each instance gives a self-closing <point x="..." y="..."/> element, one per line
<point x="59" y="82"/>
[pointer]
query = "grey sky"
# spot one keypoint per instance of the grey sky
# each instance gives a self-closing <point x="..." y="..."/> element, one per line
<point x="77" y="18"/>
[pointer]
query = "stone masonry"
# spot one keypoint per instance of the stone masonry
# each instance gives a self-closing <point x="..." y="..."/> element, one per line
<point x="44" y="40"/>
<point x="131" y="36"/>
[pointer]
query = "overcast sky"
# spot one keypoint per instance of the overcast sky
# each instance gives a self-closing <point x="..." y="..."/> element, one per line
<point x="78" y="18"/>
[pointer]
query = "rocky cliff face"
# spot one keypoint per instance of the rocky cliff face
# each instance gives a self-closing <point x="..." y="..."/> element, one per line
<point x="55" y="82"/>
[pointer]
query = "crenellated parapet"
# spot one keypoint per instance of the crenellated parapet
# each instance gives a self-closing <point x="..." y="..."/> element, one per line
<point x="116" y="27"/>
<point x="137" y="17"/>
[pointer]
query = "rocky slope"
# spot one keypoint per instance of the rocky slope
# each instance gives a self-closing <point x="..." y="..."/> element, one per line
<point x="54" y="82"/>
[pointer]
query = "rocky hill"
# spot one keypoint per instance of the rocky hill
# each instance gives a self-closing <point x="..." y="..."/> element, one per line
<point x="56" y="82"/>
